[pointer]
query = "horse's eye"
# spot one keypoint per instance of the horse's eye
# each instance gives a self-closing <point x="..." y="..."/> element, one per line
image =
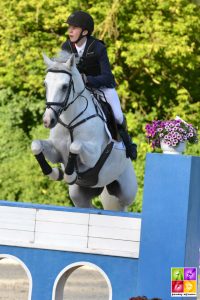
<point x="64" y="87"/>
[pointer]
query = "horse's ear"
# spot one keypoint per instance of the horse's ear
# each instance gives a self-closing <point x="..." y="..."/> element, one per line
<point x="70" y="63"/>
<point x="49" y="63"/>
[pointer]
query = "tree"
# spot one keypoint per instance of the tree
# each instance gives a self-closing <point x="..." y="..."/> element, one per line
<point x="154" y="51"/>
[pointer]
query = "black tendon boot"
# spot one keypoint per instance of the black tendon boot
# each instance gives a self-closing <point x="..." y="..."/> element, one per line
<point x="131" y="148"/>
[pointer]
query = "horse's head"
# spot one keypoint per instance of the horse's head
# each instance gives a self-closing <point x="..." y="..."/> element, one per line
<point x="63" y="81"/>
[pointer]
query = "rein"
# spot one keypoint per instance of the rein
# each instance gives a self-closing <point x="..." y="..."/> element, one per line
<point x="65" y="105"/>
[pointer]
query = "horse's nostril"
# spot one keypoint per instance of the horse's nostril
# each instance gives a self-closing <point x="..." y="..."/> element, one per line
<point x="45" y="123"/>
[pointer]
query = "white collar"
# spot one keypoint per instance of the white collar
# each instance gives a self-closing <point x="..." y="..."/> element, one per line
<point x="80" y="49"/>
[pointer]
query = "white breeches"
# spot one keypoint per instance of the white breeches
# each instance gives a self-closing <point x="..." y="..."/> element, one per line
<point x="113" y="99"/>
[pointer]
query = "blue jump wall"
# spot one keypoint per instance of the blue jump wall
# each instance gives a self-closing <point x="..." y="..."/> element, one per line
<point x="170" y="221"/>
<point x="170" y="235"/>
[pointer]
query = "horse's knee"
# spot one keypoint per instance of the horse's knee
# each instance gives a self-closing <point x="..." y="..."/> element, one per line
<point x="36" y="147"/>
<point x="76" y="147"/>
<point x="87" y="153"/>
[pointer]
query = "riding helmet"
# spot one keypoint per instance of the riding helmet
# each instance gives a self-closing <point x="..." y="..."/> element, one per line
<point x="81" y="19"/>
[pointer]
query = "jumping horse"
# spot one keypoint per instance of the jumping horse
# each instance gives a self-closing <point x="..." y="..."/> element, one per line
<point x="92" y="163"/>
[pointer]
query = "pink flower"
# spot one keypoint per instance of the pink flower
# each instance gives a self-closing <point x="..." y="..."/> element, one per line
<point x="171" y="131"/>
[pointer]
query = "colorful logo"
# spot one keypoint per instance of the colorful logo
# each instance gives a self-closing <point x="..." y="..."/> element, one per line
<point x="183" y="282"/>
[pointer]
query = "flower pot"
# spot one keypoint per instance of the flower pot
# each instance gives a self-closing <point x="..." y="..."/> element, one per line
<point x="179" y="149"/>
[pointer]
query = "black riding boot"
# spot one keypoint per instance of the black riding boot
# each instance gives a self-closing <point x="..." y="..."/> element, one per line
<point x="131" y="148"/>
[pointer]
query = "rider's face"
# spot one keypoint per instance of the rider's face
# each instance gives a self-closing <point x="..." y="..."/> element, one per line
<point x="74" y="33"/>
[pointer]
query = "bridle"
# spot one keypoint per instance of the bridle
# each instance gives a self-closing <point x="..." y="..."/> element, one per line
<point x="66" y="104"/>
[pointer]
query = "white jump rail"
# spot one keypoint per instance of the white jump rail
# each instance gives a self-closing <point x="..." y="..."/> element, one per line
<point x="70" y="231"/>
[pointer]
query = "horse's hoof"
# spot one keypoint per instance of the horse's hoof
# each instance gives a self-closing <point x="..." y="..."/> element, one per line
<point x="70" y="179"/>
<point x="56" y="174"/>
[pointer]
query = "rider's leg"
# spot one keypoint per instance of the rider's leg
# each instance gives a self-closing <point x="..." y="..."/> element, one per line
<point x="131" y="148"/>
<point x="113" y="99"/>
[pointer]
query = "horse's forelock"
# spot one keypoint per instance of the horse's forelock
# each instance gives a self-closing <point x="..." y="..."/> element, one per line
<point x="62" y="56"/>
<point x="58" y="66"/>
<point x="60" y="60"/>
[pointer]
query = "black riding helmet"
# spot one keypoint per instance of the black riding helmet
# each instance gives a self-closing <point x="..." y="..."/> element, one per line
<point x="81" y="19"/>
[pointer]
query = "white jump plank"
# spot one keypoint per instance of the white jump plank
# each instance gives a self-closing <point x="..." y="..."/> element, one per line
<point x="12" y="217"/>
<point x="115" y="222"/>
<point x="55" y="240"/>
<point x="62" y="228"/>
<point x="17" y="218"/>
<point x="116" y="245"/>
<point x="16" y="236"/>
<point x="62" y="216"/>
<point x="70" y="231"/>
<point x="114" y="233"/>
<point x="17" y="211"/>
<point x="26" y="225"/>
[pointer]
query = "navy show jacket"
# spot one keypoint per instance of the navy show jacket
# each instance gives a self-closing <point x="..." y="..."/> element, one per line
<point x="94" y="63"/>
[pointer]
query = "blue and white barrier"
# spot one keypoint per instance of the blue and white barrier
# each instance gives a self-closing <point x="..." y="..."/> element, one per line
<point x="134" y="252"/>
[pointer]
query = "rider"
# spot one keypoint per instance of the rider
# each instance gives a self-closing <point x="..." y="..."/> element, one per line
<point x="95" y="68"/>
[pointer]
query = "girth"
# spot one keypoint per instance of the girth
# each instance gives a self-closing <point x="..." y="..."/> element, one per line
<point x="90" y="177"/>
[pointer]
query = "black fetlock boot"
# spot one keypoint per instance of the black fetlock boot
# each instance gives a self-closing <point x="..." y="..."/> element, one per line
<point x="131" y="148"/>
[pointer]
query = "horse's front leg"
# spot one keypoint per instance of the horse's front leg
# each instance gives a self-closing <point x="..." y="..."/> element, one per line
<point x="88" y="152"/>
<point x="70" y="175"/>
<point x="42" y="149"/>
<point x="88" y="155"/>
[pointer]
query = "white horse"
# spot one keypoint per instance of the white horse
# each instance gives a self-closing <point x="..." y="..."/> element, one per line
<point x="92" y="163"/>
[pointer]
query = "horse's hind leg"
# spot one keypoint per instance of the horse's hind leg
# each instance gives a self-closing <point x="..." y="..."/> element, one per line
<point x="121" y="193"/>
<point x="42" y="149"/>
<point x="111" y="202"/>
<point x="82" y="196"/>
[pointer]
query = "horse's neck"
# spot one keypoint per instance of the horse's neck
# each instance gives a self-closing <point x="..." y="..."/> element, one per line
<point x="89" y="125"/>
<point x="83" y="105"/>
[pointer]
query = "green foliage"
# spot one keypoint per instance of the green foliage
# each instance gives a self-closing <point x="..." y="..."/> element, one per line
<point x="20" y="176"/>
<point x="154" y="51"/>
